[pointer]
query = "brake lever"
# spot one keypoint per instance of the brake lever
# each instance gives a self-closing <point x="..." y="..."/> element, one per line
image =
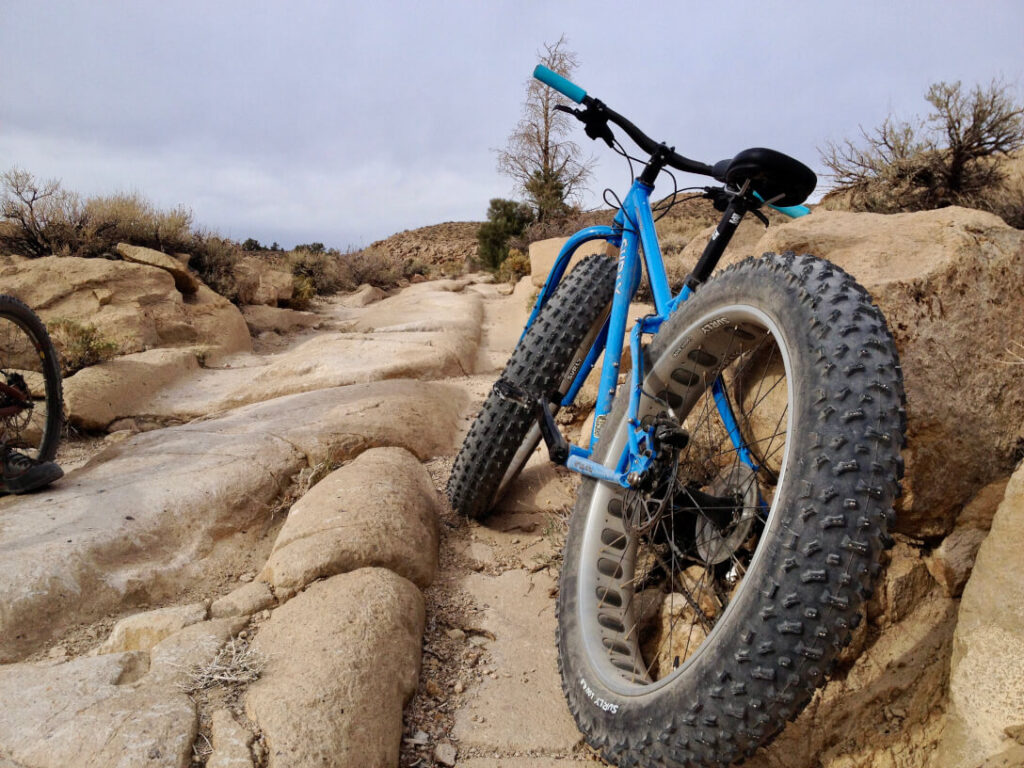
<point x="595" y="122"/>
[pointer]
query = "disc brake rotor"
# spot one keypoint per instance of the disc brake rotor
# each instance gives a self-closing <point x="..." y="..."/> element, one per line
<point x="716" y="544"/>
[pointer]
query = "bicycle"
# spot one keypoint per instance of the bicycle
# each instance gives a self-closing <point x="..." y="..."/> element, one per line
<point x="31" y="397"/>
<point x="736" y="493"/>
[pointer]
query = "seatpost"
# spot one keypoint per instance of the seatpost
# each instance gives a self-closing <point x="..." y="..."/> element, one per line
<point x="720" y="238"/>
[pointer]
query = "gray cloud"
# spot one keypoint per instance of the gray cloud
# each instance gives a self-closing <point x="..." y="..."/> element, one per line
<point x="344" y="122"/>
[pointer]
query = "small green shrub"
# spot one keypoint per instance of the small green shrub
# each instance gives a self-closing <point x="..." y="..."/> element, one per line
<point x="505" y="219"/>
<point x="80" y="345"/>
<point x="303" y="291"/>
<point x="515" y="266"/>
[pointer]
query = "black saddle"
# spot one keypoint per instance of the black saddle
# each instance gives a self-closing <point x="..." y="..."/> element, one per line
<point x="770" y="173"/>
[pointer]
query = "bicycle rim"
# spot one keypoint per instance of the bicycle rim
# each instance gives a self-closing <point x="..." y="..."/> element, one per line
<point x="658" y="582"/>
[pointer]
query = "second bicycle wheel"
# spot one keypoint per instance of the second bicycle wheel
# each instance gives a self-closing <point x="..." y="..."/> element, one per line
<point x="544" y="364"/>
<point x="698" y="612"/>
<point x="31" y="395"/>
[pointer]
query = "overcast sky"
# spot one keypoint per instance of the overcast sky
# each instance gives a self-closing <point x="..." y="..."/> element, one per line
<point x="347" y="121"/>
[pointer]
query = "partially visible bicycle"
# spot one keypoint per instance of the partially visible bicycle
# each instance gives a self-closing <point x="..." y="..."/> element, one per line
<point x="31" y="399"/>
<point x="738" y="482"/>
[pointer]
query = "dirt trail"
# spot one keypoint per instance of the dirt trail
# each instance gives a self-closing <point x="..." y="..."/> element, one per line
<point x="490" y="686"/>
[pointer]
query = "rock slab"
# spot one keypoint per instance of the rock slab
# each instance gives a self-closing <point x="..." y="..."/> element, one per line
<point x="986" y="686"/>
<point x="87" y="713"/>
<point x="343" y="657"/>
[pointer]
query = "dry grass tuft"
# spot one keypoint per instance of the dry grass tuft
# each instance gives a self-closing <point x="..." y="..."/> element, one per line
<point x="237" y="663"/>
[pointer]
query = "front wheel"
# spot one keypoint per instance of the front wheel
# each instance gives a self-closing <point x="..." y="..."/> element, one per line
<point x="697" y="615"/>
<point x="544" y="364"/>
<point x="31" y="396"/>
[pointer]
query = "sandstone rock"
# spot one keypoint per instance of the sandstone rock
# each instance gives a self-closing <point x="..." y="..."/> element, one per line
<point x="173" y="659"/>
<point x="380" y="510"/>
<point x="525" y="712"/>
<point x="174" y="507"/>
<point x="951" y="562"/>
<point x="906" y="583"/>
<point x="135" y="305"/>
<point x="426" y="307"/>
<point x="343" y="658"/>
<point x="89" y="713"/>
<point x="986" y="687"/>
<point x="184" y="280"/>
<point x="948" y="282"/>
<point x="244" y="601"/>
<point x="144" y="630"/>
<point x="260" y="282"/>
<point x="97" y="396"/>
<point x="230" y="742"/>
<point x="544" y="252"/>
<point x="261" y="318"/>
<point x="363" y="295"/>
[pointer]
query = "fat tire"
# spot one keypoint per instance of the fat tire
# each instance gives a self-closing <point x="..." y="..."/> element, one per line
<point x="812" y="580"/>
<point x="18" y="318"/>
<point x="538" y="366"/>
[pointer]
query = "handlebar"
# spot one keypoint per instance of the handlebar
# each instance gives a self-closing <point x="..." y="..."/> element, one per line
<point x="596" y="111"/>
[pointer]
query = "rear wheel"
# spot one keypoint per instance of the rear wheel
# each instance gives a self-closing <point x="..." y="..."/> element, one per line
<point x="544" y="363"/>
<point x="697" y="615"/>
<point x="31" y="396"/>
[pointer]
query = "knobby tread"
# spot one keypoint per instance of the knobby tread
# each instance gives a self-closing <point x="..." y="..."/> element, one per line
<point x="537" y="366"/>
<point x="837" y="504"/>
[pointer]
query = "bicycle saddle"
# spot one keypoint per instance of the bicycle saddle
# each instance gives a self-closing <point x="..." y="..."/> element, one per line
<point x="770" y="173"/>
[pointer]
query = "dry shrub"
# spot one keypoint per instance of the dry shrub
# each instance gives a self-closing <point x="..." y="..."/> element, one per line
<point x="214" y="259"/>
<point x="379" y="267"/>
<point x="130" y="218"/>
<point x="323" y="270"/>
<point x="80" y="345"/>
<point x="236" y="664"/>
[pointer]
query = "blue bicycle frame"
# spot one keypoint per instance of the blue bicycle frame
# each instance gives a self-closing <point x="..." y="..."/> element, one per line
<point x="632" y="232"/>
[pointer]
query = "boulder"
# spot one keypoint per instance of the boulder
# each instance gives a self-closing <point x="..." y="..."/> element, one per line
<point x="184" y="280"/>
<point x="380" y="510"/>
<point x="986" y="685"/>
<point x="949" y="283"/>
<point x="544" y="252"/>
<point x="343" y="657"/>
<point x="363" y="295"/>
<point x="135" y="305"/>
<point x="260" y="282"/>
<point x="261" y="318"/>
<point x="951" y="562"/>
<point x="144" y="630"/>
<point x="90" y="713"/>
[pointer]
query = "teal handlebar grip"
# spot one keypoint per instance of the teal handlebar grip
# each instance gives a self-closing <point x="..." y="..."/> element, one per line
<point x="560" y="84"/>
